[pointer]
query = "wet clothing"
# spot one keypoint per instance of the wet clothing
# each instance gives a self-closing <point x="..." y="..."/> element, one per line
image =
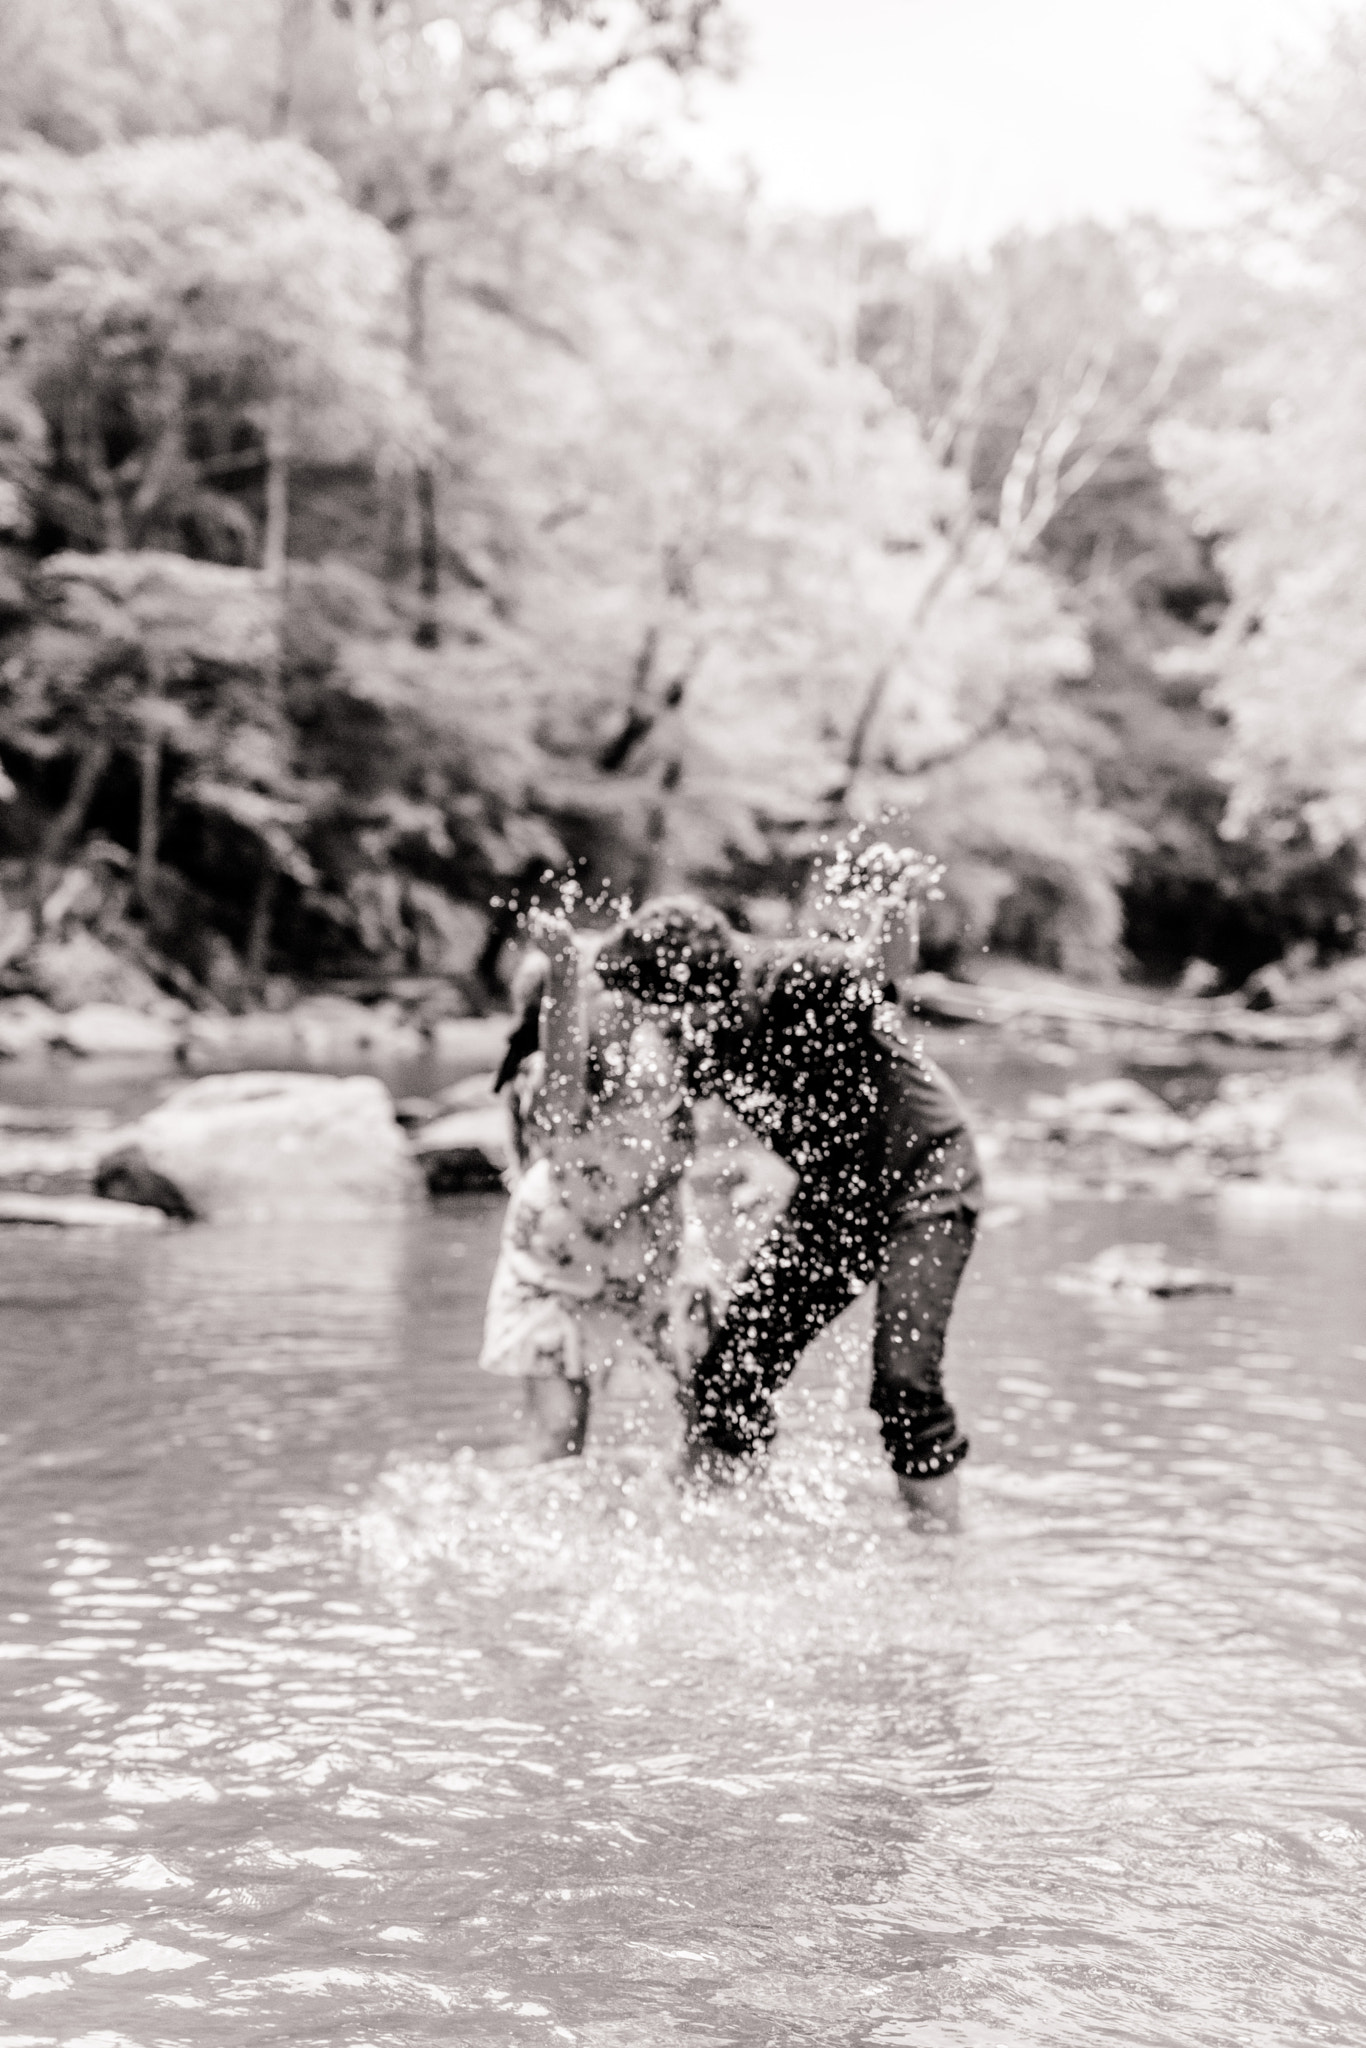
<point x="819" y="1062"/>
<point x="569" y="1300"/>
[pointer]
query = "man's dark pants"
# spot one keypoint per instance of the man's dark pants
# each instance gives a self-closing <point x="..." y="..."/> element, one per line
<point x="838" y="1235"/>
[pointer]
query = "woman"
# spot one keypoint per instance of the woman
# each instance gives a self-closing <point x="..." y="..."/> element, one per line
<point x="602" y="1259"/>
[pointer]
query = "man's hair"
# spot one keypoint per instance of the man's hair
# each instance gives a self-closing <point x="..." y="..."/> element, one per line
<point x="674" y="949"/>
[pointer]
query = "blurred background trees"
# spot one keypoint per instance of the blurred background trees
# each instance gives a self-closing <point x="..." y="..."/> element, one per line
<point x="403" y="491"/>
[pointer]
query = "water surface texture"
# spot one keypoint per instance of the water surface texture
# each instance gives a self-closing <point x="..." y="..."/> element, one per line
<point x="311" y="1731"/>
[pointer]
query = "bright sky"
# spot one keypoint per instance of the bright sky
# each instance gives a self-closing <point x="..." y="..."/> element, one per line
<point x="961" y="117"/>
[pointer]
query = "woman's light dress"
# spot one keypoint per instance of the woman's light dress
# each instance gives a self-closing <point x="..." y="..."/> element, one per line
<point x="574" y="1296"/>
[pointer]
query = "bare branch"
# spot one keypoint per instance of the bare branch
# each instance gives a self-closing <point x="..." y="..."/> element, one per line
<point x="965" y="406"/>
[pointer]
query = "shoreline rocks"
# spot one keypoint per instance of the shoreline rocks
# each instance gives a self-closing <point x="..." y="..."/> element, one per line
<point x="1029" y="1001"/>
<point x="321" y="1034"/>
<point x="1305" y="1131"/>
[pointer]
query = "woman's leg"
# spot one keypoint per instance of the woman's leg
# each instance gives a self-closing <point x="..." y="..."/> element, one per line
<point x="924" y="1265"/>
<point x="557" y="1411"/>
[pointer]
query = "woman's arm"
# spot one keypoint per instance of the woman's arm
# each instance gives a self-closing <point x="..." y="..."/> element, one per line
<point x="891" y="944"/>
<point x="564" y="1033"/>
<point x="882" y="885"/>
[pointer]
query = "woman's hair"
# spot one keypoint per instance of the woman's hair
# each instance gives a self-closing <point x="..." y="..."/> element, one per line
<point x="674" y="949"/>
<point x="528" y="987"/>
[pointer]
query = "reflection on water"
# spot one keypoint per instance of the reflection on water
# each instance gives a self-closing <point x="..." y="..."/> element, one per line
<point x="315" y="1732"/>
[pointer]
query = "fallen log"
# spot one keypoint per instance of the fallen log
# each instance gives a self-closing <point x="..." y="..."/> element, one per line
<point x="959" y="1002"/>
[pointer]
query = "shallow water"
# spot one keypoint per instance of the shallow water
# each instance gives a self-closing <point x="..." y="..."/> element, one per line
<point x="313" y="1732"/>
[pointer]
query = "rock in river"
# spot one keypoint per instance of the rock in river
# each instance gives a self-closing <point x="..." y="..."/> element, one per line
<point x="469" y="1145"/>
<point x="112" y="1030"/>
<point x="1139" y="1269"/>
<point x="264" y="1146"/>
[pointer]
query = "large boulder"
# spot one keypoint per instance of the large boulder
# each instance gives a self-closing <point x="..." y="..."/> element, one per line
<point x="261" y="1146"/>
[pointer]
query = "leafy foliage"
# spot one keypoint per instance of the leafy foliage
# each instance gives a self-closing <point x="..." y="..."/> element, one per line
<point x="401" y="492"/>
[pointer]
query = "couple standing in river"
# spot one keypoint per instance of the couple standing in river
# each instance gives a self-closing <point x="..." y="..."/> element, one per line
<point x="804" y="1040"/>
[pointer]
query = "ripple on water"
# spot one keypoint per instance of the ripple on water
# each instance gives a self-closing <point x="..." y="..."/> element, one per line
<point x="311" y="1734"/>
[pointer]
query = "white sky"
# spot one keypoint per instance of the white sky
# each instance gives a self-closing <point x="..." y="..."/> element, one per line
<point x="959" y="118"/>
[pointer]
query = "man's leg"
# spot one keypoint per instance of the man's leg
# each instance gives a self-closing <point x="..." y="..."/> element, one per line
<point x="924" y="1264"/>
<point x="799" y="1279"/>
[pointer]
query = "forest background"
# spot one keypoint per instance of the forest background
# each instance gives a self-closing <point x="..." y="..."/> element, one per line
<point x="405" y="491"/>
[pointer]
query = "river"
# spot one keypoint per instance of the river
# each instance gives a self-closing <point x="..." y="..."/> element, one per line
<point x="315" y="1731"/>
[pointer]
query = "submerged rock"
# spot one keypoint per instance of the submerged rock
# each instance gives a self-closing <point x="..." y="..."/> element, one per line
<point x="470" y="1147"/>
<point x="128" y="1176"/>
<point x="412" y="1111"/>
<point x="1139" y="1269"/>
<point x="265" y="1145"/>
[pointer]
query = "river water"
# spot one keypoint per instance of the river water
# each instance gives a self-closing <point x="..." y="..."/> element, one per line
<point x="314" y="1731"/>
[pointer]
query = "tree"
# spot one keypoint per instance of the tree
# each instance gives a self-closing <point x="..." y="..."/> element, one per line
<point x="190" y="313"/>
<point x="1271" y="469"/>
<point x="1042" y="378"/>
<point x="148" y="654"/>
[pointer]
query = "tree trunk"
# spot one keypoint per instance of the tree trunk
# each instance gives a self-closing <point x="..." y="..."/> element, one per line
<point x="91" y="763"/>
<point x="653" y="871"/>
<point x="258" y="932"/>
<point x="640" y="718"/>
<point x="91" y="440"/>
<point x="65" y="828"/>
<point x="149" y="777"/>
<point x="427" y="632"/>
<point x="295" y="21"/>
<point x="866" y="717"/>
<point x="275" y="539"/>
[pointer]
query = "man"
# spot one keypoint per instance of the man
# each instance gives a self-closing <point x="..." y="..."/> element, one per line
<point x="802" y="1041"/>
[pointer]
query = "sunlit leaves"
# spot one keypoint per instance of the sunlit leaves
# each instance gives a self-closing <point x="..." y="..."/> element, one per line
<point x="165" y="296"/>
